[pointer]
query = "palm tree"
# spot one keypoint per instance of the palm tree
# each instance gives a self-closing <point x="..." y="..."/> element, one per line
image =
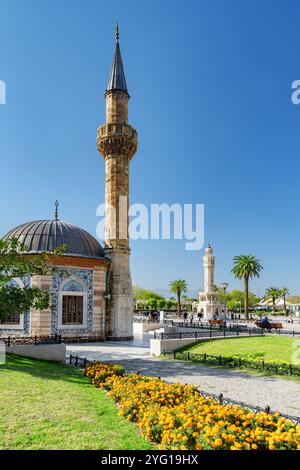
<point x="274" y="293"/>
<point x="178" y="286"/>
<point x="284" y="292"/>
<point x="246" y="267"/>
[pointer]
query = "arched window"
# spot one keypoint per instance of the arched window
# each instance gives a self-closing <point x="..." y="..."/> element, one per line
<point x="72" y="304"/>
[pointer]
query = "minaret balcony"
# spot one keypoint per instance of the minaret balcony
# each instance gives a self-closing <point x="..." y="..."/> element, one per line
<point x="117" y="139"/>
<point x="119" y="129"/>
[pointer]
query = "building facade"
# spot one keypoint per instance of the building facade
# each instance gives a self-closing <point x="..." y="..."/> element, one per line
<point x="91" y="291"/>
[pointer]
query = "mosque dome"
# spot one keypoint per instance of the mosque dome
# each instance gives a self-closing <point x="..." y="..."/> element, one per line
<point x="46" y="235"/>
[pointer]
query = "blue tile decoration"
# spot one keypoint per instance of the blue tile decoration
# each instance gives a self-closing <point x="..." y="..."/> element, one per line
<point x="86" y="277"/>
<point x="72" y="286"/>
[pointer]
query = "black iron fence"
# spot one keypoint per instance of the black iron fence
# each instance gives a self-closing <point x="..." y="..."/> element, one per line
<point x="257" y="409"/>
<point x="284" y="332"/>
<point x="78" y="361"/>
<point x="144" y="320"/>
<point x="83" y="339"/>
<point x="238" y="362"/>
<point x="82" y="362"/>
<point x="51" y="339"/>
<point x="206" y="325"/>
<point x="208" y="333"/>
<point x="32" y="340"/>
<point x="232" y="327"/>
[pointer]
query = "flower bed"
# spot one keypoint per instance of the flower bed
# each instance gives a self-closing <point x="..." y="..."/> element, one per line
<point x="176" y="416"/>
<point x="99" y="372"/>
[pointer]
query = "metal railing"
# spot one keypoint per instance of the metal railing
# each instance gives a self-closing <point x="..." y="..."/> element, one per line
<point x="206" y="325"/>
<point x="232" y="327"/>
<point x="257" y="409"/>
<point x="31" y="340"/>
<point x="207" y="333"/>
<point x="78" y="361"/>
<point x="238" y="362"/>
<point x="51" y="339"/>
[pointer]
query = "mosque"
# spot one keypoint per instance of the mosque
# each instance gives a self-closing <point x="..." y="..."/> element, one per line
<point x="91" y="291"/>
<point x="91" y="295"/>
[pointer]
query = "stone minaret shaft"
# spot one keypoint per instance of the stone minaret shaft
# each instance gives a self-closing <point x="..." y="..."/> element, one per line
<point x="117" y="142"/>
<point x="209" y="269"/>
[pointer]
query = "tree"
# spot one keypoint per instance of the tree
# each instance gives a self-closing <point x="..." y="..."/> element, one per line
<point x="152" y="303"/>
<point x="161" y="304"/>
<point x="140" y="293"/>
<point x="16" y="262"/>
<point x="179" y="287"/>
<point x="246" y="267"/>
<point x="283" y="293"/>
<point x="274" y="293"/>
<point x="170" y="304"/>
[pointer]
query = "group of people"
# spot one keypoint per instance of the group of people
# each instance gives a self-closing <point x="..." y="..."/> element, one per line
<point x="157" y="316"/>
<point x="233" y="316"/>
<point x="191" y="317"/>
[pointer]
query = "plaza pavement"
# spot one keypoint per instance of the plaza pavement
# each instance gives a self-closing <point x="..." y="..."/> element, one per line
<point x="280" y="394"/>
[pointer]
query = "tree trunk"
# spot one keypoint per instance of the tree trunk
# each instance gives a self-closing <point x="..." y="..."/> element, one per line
<point x="178" y="305"/>
<point x="284" y="304"/>
<point x="273" y="300"/>
<point x="246" y="297"/>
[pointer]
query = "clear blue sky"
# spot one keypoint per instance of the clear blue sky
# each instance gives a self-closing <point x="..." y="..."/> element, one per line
<point x="210" y="86"/>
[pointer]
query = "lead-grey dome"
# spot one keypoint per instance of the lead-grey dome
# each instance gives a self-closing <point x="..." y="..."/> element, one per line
<point x="46" y="235"/>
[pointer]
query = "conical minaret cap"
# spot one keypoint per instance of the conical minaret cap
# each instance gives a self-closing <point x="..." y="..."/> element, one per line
<point x="117" y="79"/>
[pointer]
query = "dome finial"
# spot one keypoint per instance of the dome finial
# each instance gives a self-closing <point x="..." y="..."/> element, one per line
<point x="117" y="31"/>
<point x="56" y="210"/>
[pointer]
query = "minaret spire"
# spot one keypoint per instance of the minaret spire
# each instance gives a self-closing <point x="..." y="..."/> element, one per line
<point x="117" y="79"/>
<point x="117" y="32"/>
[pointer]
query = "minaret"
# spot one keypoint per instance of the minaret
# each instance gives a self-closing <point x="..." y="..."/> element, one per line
<point x="117" y="142"/>
<point x="209" y="269"/>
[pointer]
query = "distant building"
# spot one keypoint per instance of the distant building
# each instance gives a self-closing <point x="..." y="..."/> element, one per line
<point x="209" y="303"/>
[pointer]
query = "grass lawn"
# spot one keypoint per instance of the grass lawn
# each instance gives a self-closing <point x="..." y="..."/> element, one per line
<point x="44" y="405"/>
<point x="268" y="348"/>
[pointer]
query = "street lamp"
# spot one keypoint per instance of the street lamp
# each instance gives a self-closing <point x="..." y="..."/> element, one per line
<point x="224" y="285"/>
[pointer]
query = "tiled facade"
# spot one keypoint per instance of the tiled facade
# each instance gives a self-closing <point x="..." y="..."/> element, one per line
<point x="90" y="283"/>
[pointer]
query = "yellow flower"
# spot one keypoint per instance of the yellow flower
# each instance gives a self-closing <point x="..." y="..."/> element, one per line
<point x="164" y="412"/>
<point x="217" y="443"/>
